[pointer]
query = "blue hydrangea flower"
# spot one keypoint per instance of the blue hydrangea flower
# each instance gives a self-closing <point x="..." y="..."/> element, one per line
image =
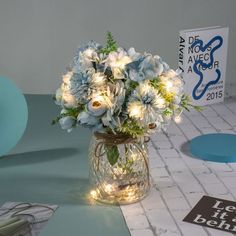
<point x="80" y="87"/>
<point x="146" y="67"/>
<point x="89" y="45"/>
<point x="67" y="123"/>
<point x="83" y="85"/>
<point x="133" y="54"/>
<point x="85" y="57"/>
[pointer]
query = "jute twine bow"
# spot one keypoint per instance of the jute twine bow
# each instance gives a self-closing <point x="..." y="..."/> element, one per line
<point x="116" y="139"/>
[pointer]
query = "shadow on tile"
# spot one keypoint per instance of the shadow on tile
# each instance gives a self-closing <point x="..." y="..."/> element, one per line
<point x="185" y="149"/>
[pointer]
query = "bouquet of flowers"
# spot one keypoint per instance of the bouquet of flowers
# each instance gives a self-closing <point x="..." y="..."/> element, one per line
<point x="116" y="91"/>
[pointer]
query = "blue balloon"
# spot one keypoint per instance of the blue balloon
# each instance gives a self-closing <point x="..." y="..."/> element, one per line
<point x="13" y="115"/>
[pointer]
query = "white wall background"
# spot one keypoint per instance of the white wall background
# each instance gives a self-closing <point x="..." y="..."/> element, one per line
<point x="38" y="37"/>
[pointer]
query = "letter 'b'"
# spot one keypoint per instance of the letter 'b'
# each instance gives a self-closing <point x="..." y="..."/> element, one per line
<point x="199" y="220"/>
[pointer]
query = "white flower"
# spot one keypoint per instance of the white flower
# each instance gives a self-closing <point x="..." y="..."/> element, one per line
<point x="69" y="100"/>
<point x="172" y="82"/>
<point x="64" y="98"/>
<point x="145" y="104"/>
<point x="67" y="77"/>
<point x="98" y="79"/>
<point x="148" y="92"/>
<point x="85" y="60"/>
<point x="58" y="95"/>
<point x="135" y="109"/>
<point x="66" y="84"/>
<point x="117" y="62"/>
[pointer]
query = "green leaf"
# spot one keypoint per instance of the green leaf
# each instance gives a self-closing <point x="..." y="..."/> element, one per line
<point x="131" y="128"/>
<point x="186" y="103"/>
<point x="198" y="108"/>
<point x="155" y="83"/>
<point x="111" y="44"/>
<point x="112" y="154"/>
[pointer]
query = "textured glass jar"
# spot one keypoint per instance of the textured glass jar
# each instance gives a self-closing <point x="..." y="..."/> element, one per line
<point x="119" y="169"/>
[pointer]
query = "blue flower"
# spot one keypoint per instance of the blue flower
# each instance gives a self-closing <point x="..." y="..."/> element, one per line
<point x="145" y="104"/>
<point x="146" y="67"/>
<point x="67" y="123"/>
<point x="108" y="120"/>
<point x="116" y="95"/>
<point x="83" y="85"/>
<point x="97" y="106"/>
<point x="91" y="44"/>
<point x="89" y="121"/>
<point x="80" y="87"/>
<point x="85" y="57"/>
<point x="133" y="54"/>
<point x="94" y="46"/>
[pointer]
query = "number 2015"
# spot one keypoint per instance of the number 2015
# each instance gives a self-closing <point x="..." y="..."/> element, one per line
<point x="214" y="95"/>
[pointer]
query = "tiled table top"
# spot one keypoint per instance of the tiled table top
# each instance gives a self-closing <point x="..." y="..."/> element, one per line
<point x="179" y="181"/>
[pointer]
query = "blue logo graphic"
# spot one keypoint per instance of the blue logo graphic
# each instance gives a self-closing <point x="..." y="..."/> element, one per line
<point x="200" y="64"/>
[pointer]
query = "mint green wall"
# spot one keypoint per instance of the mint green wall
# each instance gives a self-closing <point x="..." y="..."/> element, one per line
<point x="38" y="37"/>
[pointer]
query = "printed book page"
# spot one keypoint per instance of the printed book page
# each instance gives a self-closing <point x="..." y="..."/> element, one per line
<point x="24" y="219"/>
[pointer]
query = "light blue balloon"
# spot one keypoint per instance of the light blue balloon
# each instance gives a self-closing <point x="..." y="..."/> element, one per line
<point x="13" y="115"/>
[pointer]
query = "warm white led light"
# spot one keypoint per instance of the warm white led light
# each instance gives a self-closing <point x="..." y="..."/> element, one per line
<point x="160" y="102"/>
<point x="93" y="194"/>
<point x="168" y="85"/>
<point x="108" y="188"/>
<point x="135" y="110"/>
<point x="178" y="119"/>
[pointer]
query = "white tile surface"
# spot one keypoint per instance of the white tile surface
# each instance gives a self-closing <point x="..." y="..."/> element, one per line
<point x="179" y="181"/>
<point x="142" y="232"/>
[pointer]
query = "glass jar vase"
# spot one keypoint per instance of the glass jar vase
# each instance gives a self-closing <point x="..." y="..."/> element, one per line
<point x="119" y="168"/>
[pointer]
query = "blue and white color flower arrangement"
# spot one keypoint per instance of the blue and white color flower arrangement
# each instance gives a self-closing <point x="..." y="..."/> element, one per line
<point x="113" y="90"/>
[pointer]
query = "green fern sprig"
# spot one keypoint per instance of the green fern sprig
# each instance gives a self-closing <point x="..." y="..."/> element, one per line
<point x="131" y="128"/>
<point x="111" y="44"/>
